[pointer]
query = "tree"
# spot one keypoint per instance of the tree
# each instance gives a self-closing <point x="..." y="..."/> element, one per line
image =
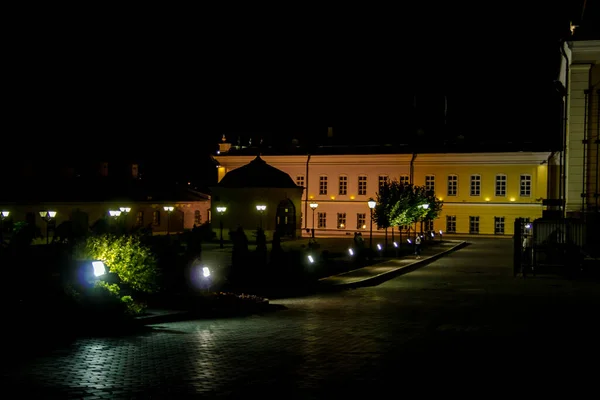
<point x="399" y="204"/>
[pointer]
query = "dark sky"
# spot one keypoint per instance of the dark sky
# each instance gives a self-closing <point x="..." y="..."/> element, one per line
<point x="170" y="87"/>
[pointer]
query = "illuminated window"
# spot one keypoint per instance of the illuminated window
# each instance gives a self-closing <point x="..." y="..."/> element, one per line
<point x="362" y="185"/>
<point x="139" y="219"/>
<point x="500" y="185"/>
<point x="343" y="186"/>
<point x="473" y="224"/>
<point x="499" y="225"/>
<point x="341" y="220"/>
<point x="322" y="185"/>
<point x="361" y="221"/>
<point x="525" y="190"/>
<point x="430" y="183"/>
<point x="404" y="179"/>
<point x="452" y="185"/>
<point x="156" y="217"/>
<point x="451" y="223"/>
<point x="197" y="217"/>
<point x="322" y="218"/>
<point x="475" y="185"/>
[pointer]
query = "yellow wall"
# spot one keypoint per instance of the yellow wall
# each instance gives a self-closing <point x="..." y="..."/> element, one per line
<point x="487" y="205"/>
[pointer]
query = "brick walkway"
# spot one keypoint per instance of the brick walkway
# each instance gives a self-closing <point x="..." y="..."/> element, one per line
<point x="462" y="325"/>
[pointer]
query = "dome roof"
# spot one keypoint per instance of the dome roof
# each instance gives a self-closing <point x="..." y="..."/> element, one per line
<point x="257" y="174"/>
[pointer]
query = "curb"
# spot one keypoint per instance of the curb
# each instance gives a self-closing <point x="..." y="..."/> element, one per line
<point x="380" y="278"/>
<point x="178" y="316"/>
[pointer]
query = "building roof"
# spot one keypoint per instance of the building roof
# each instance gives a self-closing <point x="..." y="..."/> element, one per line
<point x="257" y="174"/>
<point x="101" y="189"/>
<point x="448" y="147"/>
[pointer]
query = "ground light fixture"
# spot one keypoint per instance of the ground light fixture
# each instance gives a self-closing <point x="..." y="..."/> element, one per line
<point x="99" y="268"/>
<point x="201" y="277"/>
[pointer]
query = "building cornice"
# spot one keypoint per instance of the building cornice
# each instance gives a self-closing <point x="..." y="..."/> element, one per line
<point x="513" y="158"/>
<point x="585" y="51"/>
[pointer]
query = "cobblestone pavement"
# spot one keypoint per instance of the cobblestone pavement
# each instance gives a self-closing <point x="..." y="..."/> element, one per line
<point x="461" y="325"/>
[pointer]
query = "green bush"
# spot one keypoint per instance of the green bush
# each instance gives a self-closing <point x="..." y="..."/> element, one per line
<point x="126" y="256"/>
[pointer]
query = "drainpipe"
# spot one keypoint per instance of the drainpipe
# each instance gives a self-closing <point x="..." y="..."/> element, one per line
<point x="586" y="98"/>
<point x="412" y="168"/>
<point x="564" y="130"/>
<point x="306" y="195"/>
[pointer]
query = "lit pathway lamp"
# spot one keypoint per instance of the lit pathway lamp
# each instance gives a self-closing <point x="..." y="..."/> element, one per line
<point x="372" y="203"/>
<point x="261" y="209"/>
<point x="221" y="211"/>
<point x="47" y="216"/>
<point x="313" y="207"/>
<point x="169" y="210"/>
<point x="3" y="216"/>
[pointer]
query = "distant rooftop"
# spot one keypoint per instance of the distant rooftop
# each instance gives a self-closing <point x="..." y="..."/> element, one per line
<point x="31" y="191"/>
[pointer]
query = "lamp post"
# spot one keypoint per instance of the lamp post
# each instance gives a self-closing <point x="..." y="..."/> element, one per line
<point x="125" y="210"/>
<point x="425" y="207"/>
<point x="372" y="203"/>
<point x="47" y="216"/>
<point x="169" y="210"/>
<point x="115" y="214"/>
<point x="313" y="207"/>
<point x="3" y="216"/>
<point x="261" y="209"/>
<point x="221" y="211"/>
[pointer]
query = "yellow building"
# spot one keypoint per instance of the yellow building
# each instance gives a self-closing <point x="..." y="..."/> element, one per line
<point x="483" y="193"/>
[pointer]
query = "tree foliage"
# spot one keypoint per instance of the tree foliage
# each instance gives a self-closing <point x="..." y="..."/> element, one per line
<point x="400" y="204"/>
<point x="126" y="256"/>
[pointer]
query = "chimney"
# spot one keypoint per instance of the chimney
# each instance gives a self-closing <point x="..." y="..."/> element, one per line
<point x="224" y="146"/>
<point x="104" y="168"/>
<point x="135" y="171"/>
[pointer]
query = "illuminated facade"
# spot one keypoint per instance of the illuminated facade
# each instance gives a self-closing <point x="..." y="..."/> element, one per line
<point x="580" y="78"/>
<point x="483" y="193"/>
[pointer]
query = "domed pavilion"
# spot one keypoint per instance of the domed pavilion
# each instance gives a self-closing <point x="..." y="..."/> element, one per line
<point x="257" y="183"/>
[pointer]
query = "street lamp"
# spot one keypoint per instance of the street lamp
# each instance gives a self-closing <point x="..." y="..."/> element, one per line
<point x="313" y="206"/>
<point x="424" y="207"/>
<point x="3" y="215"/>
<point x="372" y="203"/>
<point x="115" y="214"/>
<point x="221" y="211"/>
<point x="47" y="216"/>
<point x="169" y="210"/>
<point x="261" y="209"/>
<point x="125" y="211"/>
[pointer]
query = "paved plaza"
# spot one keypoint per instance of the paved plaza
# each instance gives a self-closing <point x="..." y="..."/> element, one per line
<point x="460" y="326"/>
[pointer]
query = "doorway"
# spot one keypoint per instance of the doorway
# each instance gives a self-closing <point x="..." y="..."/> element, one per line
<point x="286" y="219"/>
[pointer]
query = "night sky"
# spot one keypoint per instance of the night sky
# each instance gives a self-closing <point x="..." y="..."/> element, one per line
<point x="165" y="91"/>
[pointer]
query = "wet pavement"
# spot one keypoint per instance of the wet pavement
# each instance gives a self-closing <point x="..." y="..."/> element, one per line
<point x="461" y="325"/>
